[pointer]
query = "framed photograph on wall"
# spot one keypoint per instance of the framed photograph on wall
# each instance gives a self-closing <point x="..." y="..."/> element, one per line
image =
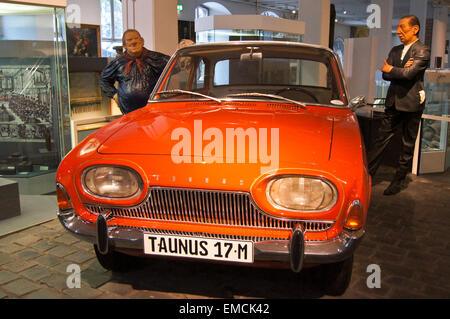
<point x="83" y="40"/>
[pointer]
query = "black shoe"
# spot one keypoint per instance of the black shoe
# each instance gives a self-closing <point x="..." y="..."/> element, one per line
<point x="394" y="188"/>
<point x="400" y="175"/>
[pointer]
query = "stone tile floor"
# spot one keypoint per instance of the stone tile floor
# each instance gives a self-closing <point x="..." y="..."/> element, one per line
<point x="408" y="237"/>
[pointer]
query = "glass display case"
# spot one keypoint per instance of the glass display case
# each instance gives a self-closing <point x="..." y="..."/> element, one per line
<point x="437" y="85"/>
<point x="243" y="35"/>
<point x="435" y="133"/>
<point x="241" y="27"/>
<point x="34" y="95"/>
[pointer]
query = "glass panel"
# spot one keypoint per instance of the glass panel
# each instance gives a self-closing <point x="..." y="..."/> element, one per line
<point x="62" y="82"/>
<point x="181" y="73"/>
<point x="221" y="73"/>
<point x="106" y="19"/>
<point x="199" y="82"/>
<point x="437" y="86"/>
<point x="434" y="135"/>
<point x="34" y="107"/>
<point x="107" y="48"/>
<point x="381" y="88"/>
<point x="244" y="35"/>
<point x="271" y="71"/>
<point x="202" y="37"/>
<point x="201" y="12"/>
<point x="435" y="149"/>
<point x="118" y="19"/>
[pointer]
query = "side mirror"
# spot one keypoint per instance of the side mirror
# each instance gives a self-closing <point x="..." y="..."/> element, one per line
<point x="358" y="102"/>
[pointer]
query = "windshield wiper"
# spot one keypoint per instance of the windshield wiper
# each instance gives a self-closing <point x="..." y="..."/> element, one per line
<point x="303" y="105"/>
<point x="178" y="91"/>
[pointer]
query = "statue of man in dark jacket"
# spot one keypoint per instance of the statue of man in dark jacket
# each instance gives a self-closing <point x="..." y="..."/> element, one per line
<point x="405" y="100"/>
<point x="136" y="71"/>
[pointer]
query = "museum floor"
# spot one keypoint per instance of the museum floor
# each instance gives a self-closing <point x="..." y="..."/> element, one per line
<point x="35" y="209"/>
<point x="407" y="237"/>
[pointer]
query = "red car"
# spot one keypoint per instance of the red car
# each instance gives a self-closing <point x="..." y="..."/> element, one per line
<point x="247" y="153"/>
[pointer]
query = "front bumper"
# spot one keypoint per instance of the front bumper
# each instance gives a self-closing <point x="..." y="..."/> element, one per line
<point x="315" y="252"/>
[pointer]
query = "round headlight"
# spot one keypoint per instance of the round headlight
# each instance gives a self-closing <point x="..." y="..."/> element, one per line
<point x="112" y="181"/>
<point x="301" y="193"/>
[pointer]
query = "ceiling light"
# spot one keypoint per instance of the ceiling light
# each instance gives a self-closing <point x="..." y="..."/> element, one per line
<point x="345" y="12"/>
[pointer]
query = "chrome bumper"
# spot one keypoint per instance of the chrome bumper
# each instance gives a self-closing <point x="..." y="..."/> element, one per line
<point x="315" y="252"/>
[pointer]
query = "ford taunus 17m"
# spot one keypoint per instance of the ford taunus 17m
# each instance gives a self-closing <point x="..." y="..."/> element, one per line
<point x="247" y="153"/>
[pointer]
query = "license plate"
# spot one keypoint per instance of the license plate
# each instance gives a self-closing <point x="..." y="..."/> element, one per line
<point x="199" y="247"/>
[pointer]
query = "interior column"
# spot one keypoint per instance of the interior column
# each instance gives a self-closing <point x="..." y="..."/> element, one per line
<point x="156" y="21"/>
<point x="316" y="15"/>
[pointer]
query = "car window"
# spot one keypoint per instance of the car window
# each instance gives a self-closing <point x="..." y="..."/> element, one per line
<point x="179" y="76"/>
<point x="271" y="71"/>
<point x="199" y="82"/>
<point x="187" y="74"/>
<point x="303" y="74"/>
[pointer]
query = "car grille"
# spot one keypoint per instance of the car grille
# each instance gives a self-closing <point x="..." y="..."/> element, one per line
<point x="204" y="235"/>
<point x="205" y="207"/>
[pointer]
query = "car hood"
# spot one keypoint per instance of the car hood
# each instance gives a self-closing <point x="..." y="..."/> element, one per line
<point x="302" y="135"/>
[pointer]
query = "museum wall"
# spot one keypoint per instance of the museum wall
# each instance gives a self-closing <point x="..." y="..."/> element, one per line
<point x="89" y="10"/>
<point x="155" y="20"/>
<point x="342" y="31"/>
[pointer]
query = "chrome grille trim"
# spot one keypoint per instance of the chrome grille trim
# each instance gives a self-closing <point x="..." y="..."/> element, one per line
<point x="208" y="207"/>
<point x="254" y="239"/>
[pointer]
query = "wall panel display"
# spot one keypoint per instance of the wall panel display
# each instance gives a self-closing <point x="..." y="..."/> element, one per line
<point x="28" y="134"/>
<point x="34" y="95"/>
<point x="83" y="40"/>
<point x="25" y="112"/>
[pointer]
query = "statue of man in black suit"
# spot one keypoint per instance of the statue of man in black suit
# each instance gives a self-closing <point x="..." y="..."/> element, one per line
<point x="405" y="99"/>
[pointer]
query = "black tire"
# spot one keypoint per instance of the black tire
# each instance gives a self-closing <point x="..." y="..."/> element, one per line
<point x="113" y="260"/>
<point x="336" y="277"/>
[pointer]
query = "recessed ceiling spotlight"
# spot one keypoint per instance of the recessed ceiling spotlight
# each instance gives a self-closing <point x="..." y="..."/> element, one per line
<point x="293" y="11"/>
<point x="335" y="20"/>
<point x="345" y="12"/>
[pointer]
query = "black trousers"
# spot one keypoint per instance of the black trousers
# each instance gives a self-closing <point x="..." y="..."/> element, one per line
<point x="392" y="118"/>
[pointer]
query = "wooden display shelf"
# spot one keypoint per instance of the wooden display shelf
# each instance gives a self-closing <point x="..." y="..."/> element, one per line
<point x="83" y="64"/>
<point x="85" y="100"/>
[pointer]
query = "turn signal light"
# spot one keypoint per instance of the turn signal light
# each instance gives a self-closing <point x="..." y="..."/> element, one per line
<point x="355" y="216"/>
<point x="64" y="202"/>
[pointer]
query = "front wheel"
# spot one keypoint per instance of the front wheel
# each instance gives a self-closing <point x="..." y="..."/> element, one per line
<point x="337" y="276"/>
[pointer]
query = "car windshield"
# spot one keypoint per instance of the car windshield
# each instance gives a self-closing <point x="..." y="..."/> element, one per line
<point x="256" y="71"/>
